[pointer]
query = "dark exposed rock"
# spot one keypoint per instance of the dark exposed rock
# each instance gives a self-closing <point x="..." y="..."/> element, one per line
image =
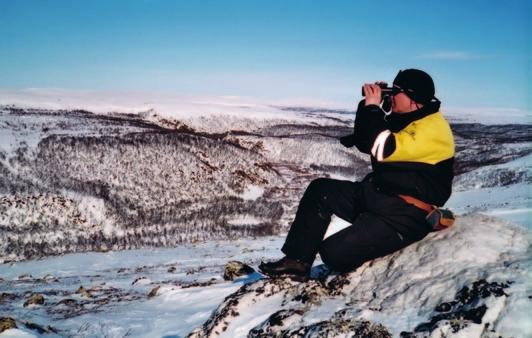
<point x="349" y="328"/>
<point x="5" y="296"/>
<point x="247" y="294"/>
<point x="198" y="284"/>
<point x="338" y="283"/>
<point x="444" y="307"/>
<point x="83" y="292"/>
<point x="312" y="292"/>
<point x="141" y="269"/>
<point x="154" y="292"/>
<point x="39" y="328"/>
<point x="273" y="327"/>
<point x="481" y="289"/>
<point x="67" y="302"/>
<point x="307" y="294"/>
<point x="101" y="298"/>
<point x="466" y="308"/>
<point x="458" y="319"/>
<point x="25" y="276"/>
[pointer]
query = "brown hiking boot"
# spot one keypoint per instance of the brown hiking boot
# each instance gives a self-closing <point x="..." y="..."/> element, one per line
<point x="287" y="267"/>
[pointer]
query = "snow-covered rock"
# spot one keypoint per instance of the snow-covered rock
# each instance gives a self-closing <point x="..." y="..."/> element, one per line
<point x="464" y="282"/>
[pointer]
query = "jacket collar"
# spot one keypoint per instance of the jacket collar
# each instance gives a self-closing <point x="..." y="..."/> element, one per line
<point x="397" y="121"/>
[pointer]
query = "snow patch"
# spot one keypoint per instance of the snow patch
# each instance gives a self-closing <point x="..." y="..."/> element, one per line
<point x="488" y="115"/>
<point x="336" y="225"/>
<point x="245" y="220"/>
<point x="512" y="203"/>
<point x="399" y="291"/>
<point x="252" y="192"/>
<point x="168" y="105"/>
<point x="16" y="333"/>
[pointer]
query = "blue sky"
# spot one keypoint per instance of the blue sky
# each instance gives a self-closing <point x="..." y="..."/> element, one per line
<point x="478" y="52"/>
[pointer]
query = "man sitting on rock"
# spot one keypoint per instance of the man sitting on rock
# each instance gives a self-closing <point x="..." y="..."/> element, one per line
<point x="412" y="155"/>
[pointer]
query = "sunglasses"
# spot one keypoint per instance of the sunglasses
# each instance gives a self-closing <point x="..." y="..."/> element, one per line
<point x="397" y="90"/>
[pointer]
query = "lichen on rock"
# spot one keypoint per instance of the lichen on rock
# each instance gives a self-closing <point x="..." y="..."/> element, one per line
<point x="235" y="269"/>
<point x="7" y="323"/>
<point x="36" y="299"/>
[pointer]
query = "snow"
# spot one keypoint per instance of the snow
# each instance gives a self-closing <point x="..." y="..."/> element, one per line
<point x="512" y="203"/>
<point x="10" y="140"/>
<point x="166" y="104"/>
<point x="177" y="311"/>
<point x="249" y="220"/>
<point x="180" y="106"/>
<point x="441" y="263"/>
<point x="490" y="240"/>
<point x="487" y="115"/>
<point x="471" y="250"/>
<point x="517" y="216"/>
<point x="250" y="318"/>
<point x="16" y="333"/>
<point x="252" y="192"/>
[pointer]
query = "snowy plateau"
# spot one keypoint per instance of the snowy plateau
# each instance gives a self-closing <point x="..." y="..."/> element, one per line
<point x="120" y="221"/>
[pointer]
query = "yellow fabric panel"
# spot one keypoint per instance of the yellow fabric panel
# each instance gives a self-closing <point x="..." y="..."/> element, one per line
<point x="427" y="140"/>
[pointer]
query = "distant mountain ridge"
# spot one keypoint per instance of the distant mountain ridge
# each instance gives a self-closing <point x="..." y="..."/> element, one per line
<point x="76" y="181"/>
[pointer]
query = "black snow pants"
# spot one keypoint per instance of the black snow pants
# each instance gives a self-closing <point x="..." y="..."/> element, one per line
<point x="381" y="224"/>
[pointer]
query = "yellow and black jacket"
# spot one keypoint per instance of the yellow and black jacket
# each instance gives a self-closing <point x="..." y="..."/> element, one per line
<point x="411" y="154"/>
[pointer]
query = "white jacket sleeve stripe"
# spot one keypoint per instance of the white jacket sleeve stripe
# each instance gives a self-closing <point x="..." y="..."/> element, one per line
<point x="378" y="146"/>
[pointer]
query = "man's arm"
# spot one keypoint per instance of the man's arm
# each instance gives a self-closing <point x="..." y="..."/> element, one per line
<point x="428" y="140"/>
<point x="369" y="123"/>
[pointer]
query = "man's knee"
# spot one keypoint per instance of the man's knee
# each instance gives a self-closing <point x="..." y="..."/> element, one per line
<point x="319" y="186"/>
<point x="318" y="183"/>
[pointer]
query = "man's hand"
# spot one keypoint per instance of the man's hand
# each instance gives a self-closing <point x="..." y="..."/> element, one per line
<point x="373" y="94"/>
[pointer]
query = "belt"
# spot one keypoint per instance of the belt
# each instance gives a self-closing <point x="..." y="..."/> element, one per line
<point x="418" y="203"/>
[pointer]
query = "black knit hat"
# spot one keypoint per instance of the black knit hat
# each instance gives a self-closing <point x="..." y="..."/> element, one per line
<point x="417" y="85"/>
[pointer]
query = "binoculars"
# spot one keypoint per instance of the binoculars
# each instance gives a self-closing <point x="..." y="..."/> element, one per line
<point x="386" y="91"/>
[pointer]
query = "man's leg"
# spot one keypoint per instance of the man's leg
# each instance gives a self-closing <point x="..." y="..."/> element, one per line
<point x="368" y="238"/>
<point x="323" y="198"/>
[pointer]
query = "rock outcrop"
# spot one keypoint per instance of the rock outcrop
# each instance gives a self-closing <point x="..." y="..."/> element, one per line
<point x="464" y="280"/>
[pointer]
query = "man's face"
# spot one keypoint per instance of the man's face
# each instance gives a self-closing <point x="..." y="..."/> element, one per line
<point x="401" y="103"/>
